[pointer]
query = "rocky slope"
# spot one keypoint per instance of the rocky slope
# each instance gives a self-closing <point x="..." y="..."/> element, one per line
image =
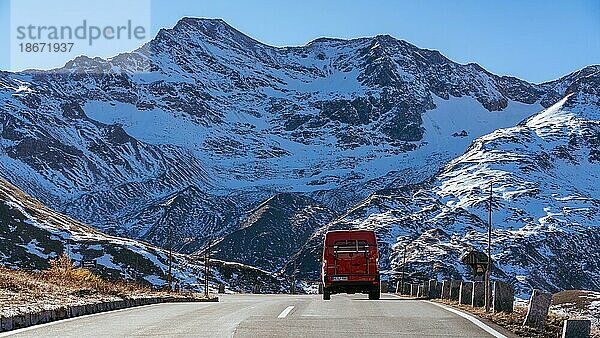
<point x="32" y="234"/>
<point x="274" y="231"/>
<point x="545" y="205"/>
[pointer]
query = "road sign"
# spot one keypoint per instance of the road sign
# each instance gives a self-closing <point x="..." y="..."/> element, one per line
<point x="478" y="261"/>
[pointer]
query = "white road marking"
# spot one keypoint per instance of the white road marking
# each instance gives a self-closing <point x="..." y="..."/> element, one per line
<point x="472" y="319"/>
<point x="38" y="326"/>
<point x="285" y="312"/>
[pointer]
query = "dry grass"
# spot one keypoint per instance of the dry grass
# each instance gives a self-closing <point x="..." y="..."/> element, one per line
<point x="62" y="272"/>
<point x="514" y="321"/>
<point x="63" y="269"/>
<point x="64" y="284"/>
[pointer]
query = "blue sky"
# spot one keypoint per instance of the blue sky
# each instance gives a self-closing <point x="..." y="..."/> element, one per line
<point x="533" y="40"/>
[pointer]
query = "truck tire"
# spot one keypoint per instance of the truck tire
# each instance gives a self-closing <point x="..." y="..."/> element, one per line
<point x="326" y="295"/>
<point x="374" y="294"/>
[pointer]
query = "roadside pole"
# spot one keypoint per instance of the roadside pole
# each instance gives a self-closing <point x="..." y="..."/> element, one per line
<point x="170" y="276"/>
<point x="206" y="269"/>
<point x="488" y="272"/>
<point x="403" y="270"/>
<point x="293" y="286"/>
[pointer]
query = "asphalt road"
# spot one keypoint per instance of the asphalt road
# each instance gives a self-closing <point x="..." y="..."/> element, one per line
<point x="270" y="316"/>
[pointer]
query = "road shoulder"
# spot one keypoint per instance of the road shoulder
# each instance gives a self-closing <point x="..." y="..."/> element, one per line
<point x="487" y="325"/>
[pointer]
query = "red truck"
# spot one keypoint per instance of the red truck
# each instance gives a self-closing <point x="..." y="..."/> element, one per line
<point x="350" y="263"/>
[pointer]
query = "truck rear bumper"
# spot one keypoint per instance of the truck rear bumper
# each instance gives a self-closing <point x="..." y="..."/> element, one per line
<point x="351" y="286"/>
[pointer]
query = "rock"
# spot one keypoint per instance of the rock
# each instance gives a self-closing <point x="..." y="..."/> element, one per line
<point x="21" y="321"/>
<point x="62" y="312"/>
<point x="463" y="133"/>
<point x="77" y="310"/>
<point x="6" y="323"/>
<point x="90" y="308"/>
<point x="34" y="318"/>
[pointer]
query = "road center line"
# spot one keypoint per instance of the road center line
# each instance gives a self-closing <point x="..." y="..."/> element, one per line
<point x="285" y="312"/>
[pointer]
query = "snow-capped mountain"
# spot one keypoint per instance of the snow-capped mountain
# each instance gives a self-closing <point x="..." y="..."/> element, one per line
<point x="546" y="201"/>
<point x="201" y="126"/>
<point x="32" y="234"/>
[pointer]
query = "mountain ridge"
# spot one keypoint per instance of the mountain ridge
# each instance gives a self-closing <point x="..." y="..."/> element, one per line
<point x="32" y="234"/>
<point x="219" y="122"/>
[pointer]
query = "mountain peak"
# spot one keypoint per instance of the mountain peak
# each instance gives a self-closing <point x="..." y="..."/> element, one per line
<point x="206" y="25"/>
<point x="213" y="30"/>
<point x="385" y="38"/>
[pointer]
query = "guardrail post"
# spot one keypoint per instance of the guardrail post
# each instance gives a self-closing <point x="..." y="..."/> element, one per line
<point x="466" y="293"/>
<point x="537" y="313"/>
<point x="414" y="291"/>
<point x="425" y="290"/>
<point x="504" y="297"/>
<point x="455" y="289"/>
<point x="577" y="328"/>
<point x="433" y="289"/>
<point x="407" y="288"/>
<point x="446" y="289"/>
<point x="383" y="286"/>
<point x="478" y="299"/>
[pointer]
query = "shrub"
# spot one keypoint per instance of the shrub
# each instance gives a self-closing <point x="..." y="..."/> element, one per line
<point x="63" y="269"/>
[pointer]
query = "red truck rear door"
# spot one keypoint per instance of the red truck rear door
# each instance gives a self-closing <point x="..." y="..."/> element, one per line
<point x="351" y="257"/>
